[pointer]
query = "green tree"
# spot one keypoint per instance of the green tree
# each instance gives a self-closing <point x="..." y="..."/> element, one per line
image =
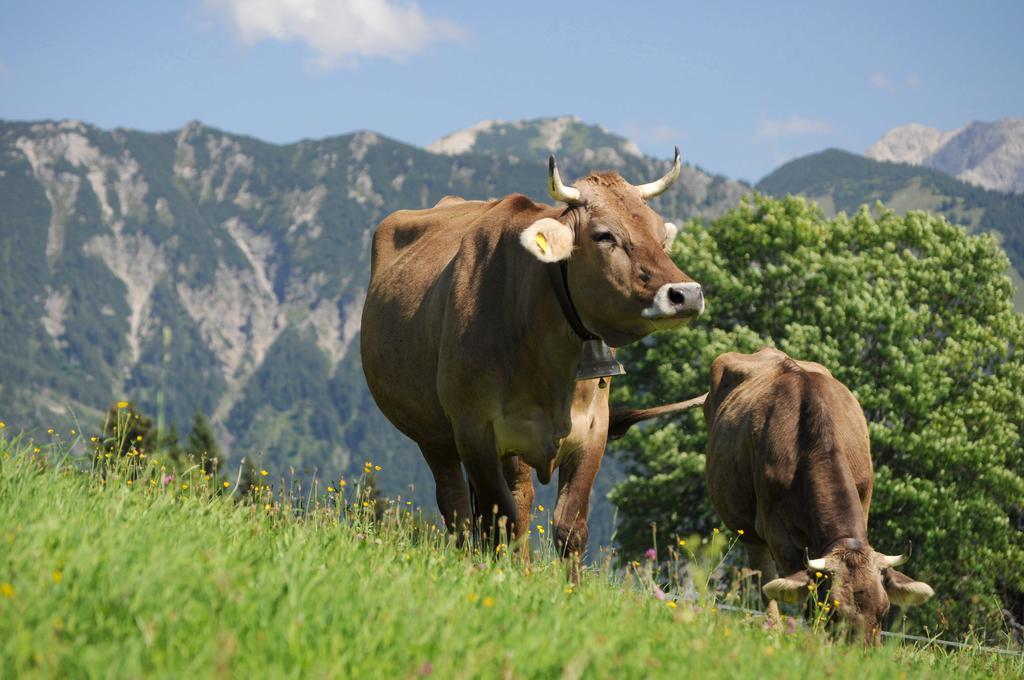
<point x="202" y="444"/>
<point x="170" y="444"/>
<point x="916" y="318"/>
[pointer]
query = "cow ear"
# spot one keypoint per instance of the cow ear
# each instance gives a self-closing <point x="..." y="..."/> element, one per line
<point x="791" y="589"/>
<point x="671" y="231"/>
<point x="905" y="591"/>
<point x="549" y="240"/>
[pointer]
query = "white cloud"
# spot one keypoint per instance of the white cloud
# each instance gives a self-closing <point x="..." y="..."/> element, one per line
<point x="881" y="81"/>
<point x="337" y="31"/>
<point x="769" y="129"/>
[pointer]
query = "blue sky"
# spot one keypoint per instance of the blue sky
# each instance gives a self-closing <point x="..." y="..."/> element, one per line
<point x="741" y="87"/>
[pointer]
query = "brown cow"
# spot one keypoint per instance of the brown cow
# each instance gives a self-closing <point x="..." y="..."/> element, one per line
<point x="469" y="351"/>
<point x="789" y="464"/>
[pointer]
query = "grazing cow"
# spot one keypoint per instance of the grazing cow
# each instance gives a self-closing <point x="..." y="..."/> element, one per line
<point x="789" y="462"/>
<point x="474" y="326"/>
<point x="789" y="465"/>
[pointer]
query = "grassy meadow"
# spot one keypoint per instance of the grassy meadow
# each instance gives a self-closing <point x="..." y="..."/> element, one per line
<point x="131" y="569"/>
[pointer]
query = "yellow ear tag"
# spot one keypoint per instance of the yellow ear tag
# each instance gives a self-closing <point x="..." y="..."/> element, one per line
<point x="542" y="242"/>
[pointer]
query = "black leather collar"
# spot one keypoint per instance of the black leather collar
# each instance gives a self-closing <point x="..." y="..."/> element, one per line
<point x="558" y="273"/>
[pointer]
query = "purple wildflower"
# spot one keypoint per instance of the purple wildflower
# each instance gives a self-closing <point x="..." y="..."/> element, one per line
<point x="650" y="554"/>
<point x="659" y="594"/>
<point x="167" y="479"/>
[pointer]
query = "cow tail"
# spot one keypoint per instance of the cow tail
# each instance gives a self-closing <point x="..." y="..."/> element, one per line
<point x="621" y="419"/>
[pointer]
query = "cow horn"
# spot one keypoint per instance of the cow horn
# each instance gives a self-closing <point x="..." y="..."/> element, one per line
<point x="559" y="191"/>
<point x="816" y="565"/>
<point x="896" y="560"/>
<point x="652" y="189"/>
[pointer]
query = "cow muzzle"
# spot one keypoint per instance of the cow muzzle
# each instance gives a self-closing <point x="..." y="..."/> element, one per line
<point x="676" y="301"/>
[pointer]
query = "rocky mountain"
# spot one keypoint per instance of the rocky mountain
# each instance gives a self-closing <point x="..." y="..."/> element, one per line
<point x="198" y="270"/>
<point x="842" y="181"/>
<point x="990" y="155"/>
<point x="535" y="139"/>
<point x="585" y="147"/>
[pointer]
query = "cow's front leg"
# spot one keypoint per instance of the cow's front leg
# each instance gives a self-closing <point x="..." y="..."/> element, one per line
<point x="575" y="480"/>
<point x="451" y="489"/>
<point x="762" y="562"/>
<point x="495" y="510"/>
<point x="519" y="476"/>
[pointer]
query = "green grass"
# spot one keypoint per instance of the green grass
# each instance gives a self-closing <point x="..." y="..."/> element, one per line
<point x="99" y="578"/>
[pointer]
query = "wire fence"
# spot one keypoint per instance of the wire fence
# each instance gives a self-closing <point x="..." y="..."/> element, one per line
<point x="917" y="639"/>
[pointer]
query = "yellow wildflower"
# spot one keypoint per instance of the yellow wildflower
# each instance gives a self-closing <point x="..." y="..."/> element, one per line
<point x="94" y="439"/>
<point x="540" y="529"/>
<point x="122" y="404"/>
<point x="341" y="482"/>
<point x="2" y="424"/>
<point x="152" y="482"/>
<point x="267" y="507"/>
<point x="488" y="601"/>
<point x="671" y="605"/>
<point x="472" y="597"/>
<point x="330" y="489"/>
<point x="184" y="486"/>
<point x="540" y="508"/>
<point x="129" y="482"/>
<point x="50" y="430"/>
<point x="681" y="542"/>
<point x="817" y="574"/>
<point x="377" y="468"/>
<point x="37" y="449"/>
<point x="226" y="485"/>
<point x="715" y="531"/>
<point x="836" y="603"/>
<point x="58" y="576"/>
<point x="138" y="438"/>
<point x="73" y="431"/>
<point x="569" y="589"/>
<point x="6" y="589"/>
<point x="739" y="531"/>
<point x="263" y="473"/>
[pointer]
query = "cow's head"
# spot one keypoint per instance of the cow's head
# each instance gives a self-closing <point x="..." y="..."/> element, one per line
<point x="856" y="584"/>
<point x="621" y="279"/>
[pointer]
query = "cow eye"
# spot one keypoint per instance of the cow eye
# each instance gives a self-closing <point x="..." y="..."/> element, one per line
<point x="604" y="237"/>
